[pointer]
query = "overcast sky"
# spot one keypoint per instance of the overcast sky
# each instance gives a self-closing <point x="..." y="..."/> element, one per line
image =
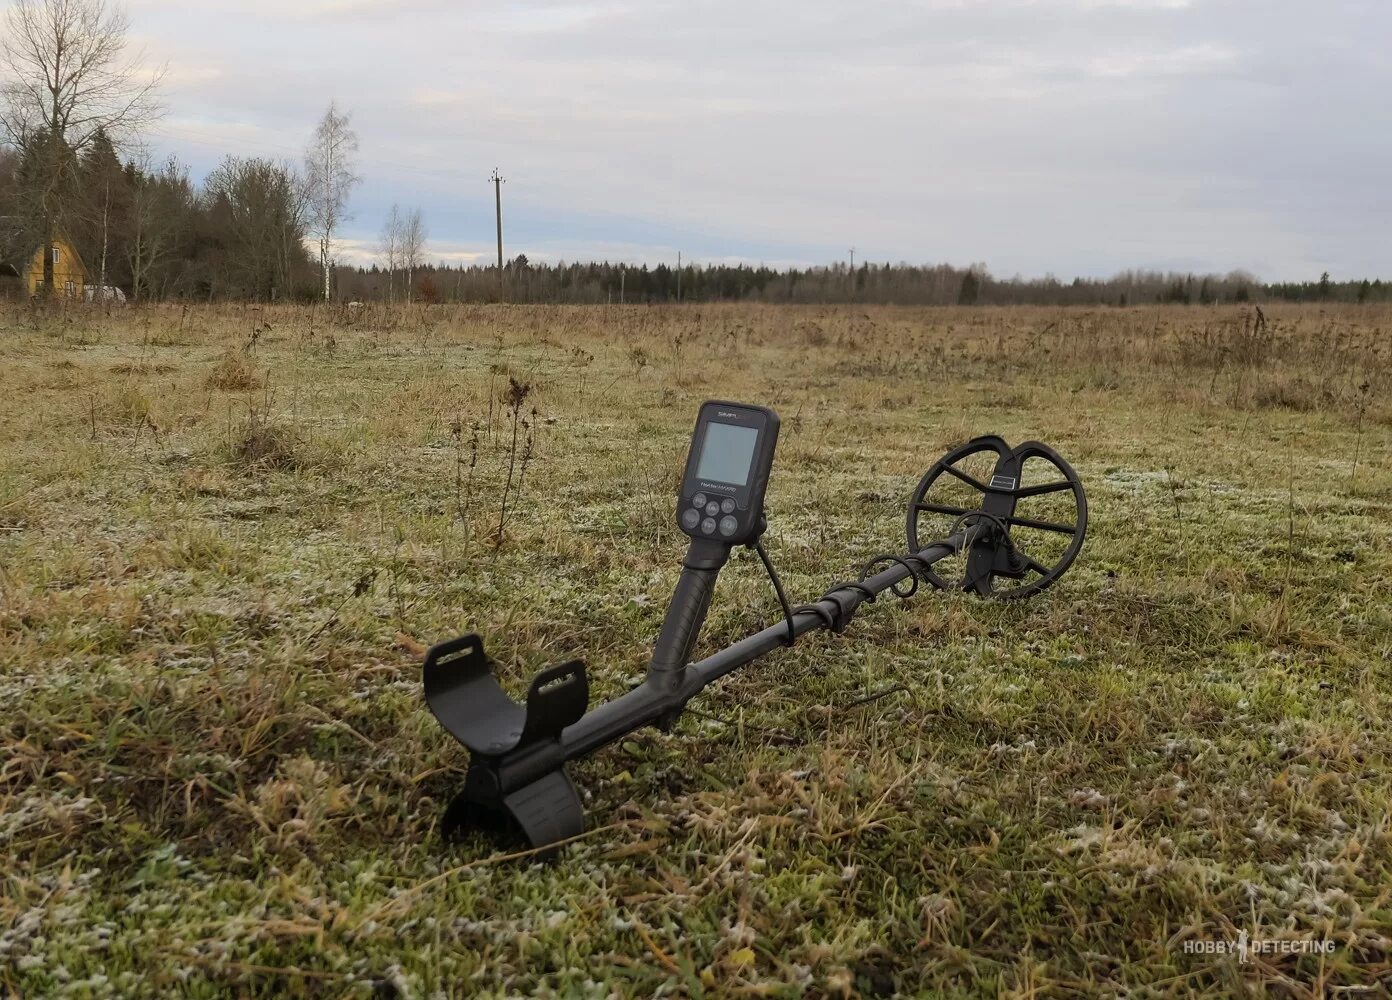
<point x="1036" y="136"/>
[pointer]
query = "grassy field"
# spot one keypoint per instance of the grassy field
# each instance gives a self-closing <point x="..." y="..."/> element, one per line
<point x="226" y="536"/>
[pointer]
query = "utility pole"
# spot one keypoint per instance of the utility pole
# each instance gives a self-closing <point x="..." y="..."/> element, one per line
<point x="497" y="182"/>
<point x="850" y="274"/>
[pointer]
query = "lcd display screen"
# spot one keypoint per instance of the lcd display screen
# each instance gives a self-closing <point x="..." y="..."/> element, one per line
<point x="727" y="453"/>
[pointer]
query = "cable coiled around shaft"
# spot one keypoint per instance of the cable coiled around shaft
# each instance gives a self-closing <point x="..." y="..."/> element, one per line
<point x="837" y="622"/>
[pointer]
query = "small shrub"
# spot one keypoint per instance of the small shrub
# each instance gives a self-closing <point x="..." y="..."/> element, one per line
<point x="1295" y="394"/>
<point x="233" y="374"/>
<point x="126" y="405"/>
<point x="259" y="442"/>
<point x="265" y="445"/>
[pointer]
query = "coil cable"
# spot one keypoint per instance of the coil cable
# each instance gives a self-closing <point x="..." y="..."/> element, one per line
<point x="837" y="622"/>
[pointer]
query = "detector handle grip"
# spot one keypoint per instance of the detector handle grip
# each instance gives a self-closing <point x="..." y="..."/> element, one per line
<point x="686" y="613"/>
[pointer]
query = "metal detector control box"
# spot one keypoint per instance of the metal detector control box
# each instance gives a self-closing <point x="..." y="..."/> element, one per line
<point x="727" y="470"/>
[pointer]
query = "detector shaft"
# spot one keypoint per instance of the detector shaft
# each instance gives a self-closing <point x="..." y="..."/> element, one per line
<point x="652" y="702"/>
<point x="833" y="608"/>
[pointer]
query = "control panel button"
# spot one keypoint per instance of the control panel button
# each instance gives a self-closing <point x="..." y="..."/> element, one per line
<point x="727" y="505"/>
<point x="699" y="500"/>
<point x="712" y="508"/>
<point x="708" y="525"/>
<point x="728" y="526"/>
<point x="690" y="518"/>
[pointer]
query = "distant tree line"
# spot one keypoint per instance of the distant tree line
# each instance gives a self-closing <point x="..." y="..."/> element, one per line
<point x="903" y="284"/>
<point x="244" y="235"/>
<point x="1326" y="290"/>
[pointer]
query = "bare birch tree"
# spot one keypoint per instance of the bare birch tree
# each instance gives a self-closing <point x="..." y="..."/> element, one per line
<point x="412" y="248"/>
<point x="71" y="80"/>
<point x="390" y="249"/>
<point x="330" y="178"/>
<point x="100" y="170"/>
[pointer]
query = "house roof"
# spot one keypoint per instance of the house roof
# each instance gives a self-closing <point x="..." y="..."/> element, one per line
<point x="8" y="228"/>
<point x="16" y="264"/>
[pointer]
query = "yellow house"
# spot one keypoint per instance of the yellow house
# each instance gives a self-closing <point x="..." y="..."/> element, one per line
<point x="69" y="273"/>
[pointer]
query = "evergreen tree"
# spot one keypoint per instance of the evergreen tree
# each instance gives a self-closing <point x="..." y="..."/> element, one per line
<point x="970" y="290"/>
<point x="100" y="208"/>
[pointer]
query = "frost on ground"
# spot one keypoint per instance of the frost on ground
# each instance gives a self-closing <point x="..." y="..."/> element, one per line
<point x="219" y="777"/>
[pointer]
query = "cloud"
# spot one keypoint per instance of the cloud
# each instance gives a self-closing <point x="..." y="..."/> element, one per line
<point x="1037" y="135"/>
<point x="1140" y="4"/>
<point x="315" y="10"/>
<point x="1189" y="60"/>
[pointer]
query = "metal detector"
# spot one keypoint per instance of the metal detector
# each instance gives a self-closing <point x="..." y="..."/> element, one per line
<point x="517" y="753"/>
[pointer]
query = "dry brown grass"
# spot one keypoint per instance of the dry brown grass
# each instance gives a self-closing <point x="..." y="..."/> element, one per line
<point x="234" y="373"/>
<point x="220" y="556"/>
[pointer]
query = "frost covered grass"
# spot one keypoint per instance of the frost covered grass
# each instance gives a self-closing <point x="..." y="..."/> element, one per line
<point x="226" y="535"/>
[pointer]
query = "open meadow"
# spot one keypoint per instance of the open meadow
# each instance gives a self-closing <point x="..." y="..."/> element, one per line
<point x="228" y="533"/>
